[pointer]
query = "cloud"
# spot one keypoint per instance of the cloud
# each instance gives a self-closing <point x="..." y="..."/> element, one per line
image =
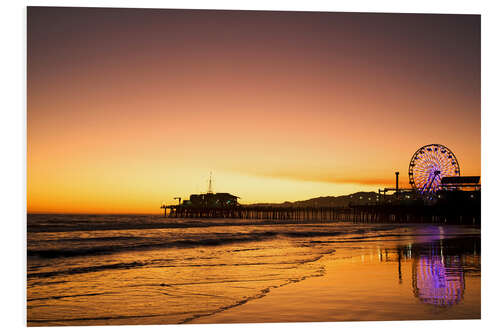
<point x="325" y="178"/>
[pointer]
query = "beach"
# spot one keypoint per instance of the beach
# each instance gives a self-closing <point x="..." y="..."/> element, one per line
<point x="363" y="284"/>
<point x="128" y="269"/>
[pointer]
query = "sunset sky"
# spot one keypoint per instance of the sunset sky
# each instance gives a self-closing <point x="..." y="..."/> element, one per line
<point x="129" y="108"/>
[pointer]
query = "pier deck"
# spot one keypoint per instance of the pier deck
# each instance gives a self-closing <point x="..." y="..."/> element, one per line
<point x="468" y="213"/>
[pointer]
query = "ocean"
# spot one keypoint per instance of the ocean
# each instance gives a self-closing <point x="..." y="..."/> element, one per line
<point x="140" y="269"/>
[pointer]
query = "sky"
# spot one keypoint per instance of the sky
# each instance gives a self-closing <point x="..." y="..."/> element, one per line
<point x="129" y="108"/>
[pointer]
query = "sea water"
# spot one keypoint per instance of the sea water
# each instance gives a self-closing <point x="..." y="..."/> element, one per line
<point x="134" y="269"/>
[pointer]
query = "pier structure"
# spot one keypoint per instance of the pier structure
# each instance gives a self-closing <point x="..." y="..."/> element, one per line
<point x="438" y="194"/>
<point x="463" y="210"/>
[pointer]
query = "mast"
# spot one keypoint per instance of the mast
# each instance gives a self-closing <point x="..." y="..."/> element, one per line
<point x="210" y="184"/>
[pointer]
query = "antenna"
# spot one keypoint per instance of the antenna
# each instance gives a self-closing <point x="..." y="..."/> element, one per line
<point x="210" y="184"/>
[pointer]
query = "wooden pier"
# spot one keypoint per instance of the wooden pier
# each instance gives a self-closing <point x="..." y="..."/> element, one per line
<point x="377" y="213"/>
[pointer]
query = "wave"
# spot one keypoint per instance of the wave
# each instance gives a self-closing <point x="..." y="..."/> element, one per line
<point x="208" y="239"/>
<point x="100" y="239"/>
<point x="95" y="318"/>
<point x="260" y="294"/>
<point x="74" y="247"/>
<point x="65" y="296"/>
<point x="69" y="223"/>
<point x="131" y="265"/>
<point x="154" y="243"/>
<point x="81" y="270"/>
<point x="106" y="249"/>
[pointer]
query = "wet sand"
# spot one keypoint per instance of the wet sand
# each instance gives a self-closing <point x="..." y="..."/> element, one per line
<point x="376" y="281"/>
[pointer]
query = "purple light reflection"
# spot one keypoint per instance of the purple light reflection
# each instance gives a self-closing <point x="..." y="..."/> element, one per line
<point x="438" y="280"/>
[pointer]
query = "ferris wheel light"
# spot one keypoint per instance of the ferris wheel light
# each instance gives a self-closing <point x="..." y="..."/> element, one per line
<point x="429" y="164"/>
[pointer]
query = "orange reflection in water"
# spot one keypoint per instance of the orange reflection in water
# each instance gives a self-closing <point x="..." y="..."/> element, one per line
<point x="289" y="273"/>
<point x="374" y="281"/>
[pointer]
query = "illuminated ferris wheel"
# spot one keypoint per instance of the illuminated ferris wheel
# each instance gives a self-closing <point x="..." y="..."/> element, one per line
<point x="429" y="165"/>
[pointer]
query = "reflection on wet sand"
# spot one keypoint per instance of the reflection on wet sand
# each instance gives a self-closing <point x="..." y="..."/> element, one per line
<point x="438" y="282"/>
<point x="397" y="279"/>
<point x="438" y="268"/>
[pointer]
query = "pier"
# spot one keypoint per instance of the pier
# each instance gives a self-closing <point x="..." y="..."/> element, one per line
<point x="437" y="194"/>
<point x="458" y="211"/>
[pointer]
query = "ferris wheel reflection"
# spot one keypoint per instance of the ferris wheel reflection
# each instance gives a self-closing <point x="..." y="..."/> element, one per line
<point x="438" y="280"/>
<point x="438" y="269"/>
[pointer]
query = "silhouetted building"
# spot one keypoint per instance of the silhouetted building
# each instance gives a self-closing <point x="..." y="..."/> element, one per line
<point x="212" y="200"/>
<point x="461" y="183"/>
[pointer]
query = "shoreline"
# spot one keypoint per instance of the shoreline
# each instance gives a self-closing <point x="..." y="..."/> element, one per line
<point x="279" y="303"/>
<point x="290" y="277"/>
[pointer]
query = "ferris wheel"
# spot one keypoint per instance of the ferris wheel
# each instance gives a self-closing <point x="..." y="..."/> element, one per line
<point x="429" y="165"/>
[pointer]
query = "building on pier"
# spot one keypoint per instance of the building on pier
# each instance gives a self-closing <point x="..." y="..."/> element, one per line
<point x="211" y="200"/>
<point x="199" y="203"/>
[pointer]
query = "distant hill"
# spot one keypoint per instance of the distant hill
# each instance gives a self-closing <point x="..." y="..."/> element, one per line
<point x="331" y="201"/>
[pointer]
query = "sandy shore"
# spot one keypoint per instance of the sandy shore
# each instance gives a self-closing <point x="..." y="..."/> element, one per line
<point x="369" y="281"/>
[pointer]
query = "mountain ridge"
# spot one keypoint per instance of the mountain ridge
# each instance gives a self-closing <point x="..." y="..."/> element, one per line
<point x="329" y="201"/>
